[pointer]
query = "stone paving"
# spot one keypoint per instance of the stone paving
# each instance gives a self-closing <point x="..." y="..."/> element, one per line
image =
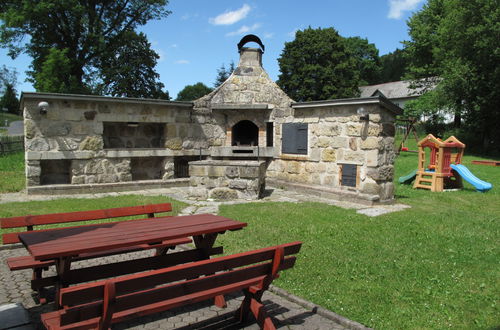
<point x="285" y="311"/>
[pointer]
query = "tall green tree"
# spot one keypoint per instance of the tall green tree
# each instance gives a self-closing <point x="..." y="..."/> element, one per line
<point x="130" y="72"/>
<point x="317" y="65"/>
<point x="77" y="34"/>
<point x="368" y="61"/>
<point x="223" y="74"/>
<point x="193" y="92"/>
<point x="9" y="100"/>
<point x="393" y="66"/>
<point x="458" y="41"/>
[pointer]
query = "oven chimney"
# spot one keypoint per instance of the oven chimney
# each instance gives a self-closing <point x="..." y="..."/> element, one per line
<point x="249" y="57"/>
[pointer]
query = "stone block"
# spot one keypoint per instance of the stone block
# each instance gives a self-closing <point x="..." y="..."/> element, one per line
<point x="57" y="129"/>
<point x="294" y="167"/>
<point x="79" y="179"/>
<point x="195" y="170"/>
<point x="353" y="144"/>
<point x="249" y="172"/>
<point x="29" y="129"/>
<point x="33" y="171"/>
<point x="370" y="187"/>
<point x="198" y="192"/>
<point x="37" y="144"/>
<point x="387" y="191"/>
<point x="375" y="117"/>
<point x="354" y="129"/>
<point x="370" y="143"/>
<point x="215" y="171"/>
<point x="328" y="130"/>
<point x="232" y="171"/>
<point x="223" y="194"/>
<point x="386" y="173"/>
<point x="238" y="184"/>
<point x="93" y="143"/>
<point x="372" y="158"/>
<point x="330" y="180"/>
<point x="329" y="155"/>
<point x="374" y="130"/>
<point x="324" y="142"/>
<point x="174" y="144"/>
<point x="354" y="156"/>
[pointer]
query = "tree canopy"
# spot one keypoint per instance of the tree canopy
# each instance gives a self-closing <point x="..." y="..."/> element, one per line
<point x="368" y="61"/>
<point x="457" y="41"/>
<point x="8" y="82"/>
<point x="317" y="65"/>
<point x="193" y="92"/>
<point x="393" y="66"/>
<point x="79" y="46"/>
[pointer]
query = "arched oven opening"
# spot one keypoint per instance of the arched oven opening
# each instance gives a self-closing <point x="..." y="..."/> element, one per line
<point x="245" y="133"/>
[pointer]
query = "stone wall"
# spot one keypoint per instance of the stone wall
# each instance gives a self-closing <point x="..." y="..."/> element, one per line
<point x="227" y="180"/>
<point x="337" y="136"/>
<point x="106" y="140"/>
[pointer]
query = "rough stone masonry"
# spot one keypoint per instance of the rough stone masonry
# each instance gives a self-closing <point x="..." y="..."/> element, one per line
<point x="341" y="149"/>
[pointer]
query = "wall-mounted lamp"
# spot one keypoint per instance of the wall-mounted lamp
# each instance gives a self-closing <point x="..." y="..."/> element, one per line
<point x="363" y="114"/>
<point x="43" y="107"/>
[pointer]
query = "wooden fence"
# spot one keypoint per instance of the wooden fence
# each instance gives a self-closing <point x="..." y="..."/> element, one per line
<point x="11" y="144"/>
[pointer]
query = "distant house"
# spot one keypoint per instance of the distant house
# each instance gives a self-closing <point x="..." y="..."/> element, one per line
<point x="399" y="92"/>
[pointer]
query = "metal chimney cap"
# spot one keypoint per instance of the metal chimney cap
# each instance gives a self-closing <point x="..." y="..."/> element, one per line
<point x="250" y="38"/>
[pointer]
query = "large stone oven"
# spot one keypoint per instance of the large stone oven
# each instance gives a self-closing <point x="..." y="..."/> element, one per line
<point x="227" y="144"/>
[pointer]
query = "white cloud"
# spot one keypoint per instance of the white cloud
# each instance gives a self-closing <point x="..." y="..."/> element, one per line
<point x="174" y="45"/>
<point x="244" y="29"/>
<point x="268" y="35"/>
<point x="182" y="62"/>
<point x="162" y="55"/>
<point x="231" y="17"/>
<point x="397" y="7"/>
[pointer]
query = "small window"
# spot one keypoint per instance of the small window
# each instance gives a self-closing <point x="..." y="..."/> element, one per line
<point x="349" y="175"/>
<point x="294" y="139"/>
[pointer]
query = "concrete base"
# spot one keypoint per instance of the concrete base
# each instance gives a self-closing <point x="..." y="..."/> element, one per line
<point x="106" y="187"/>
<point x="330" y="193"/>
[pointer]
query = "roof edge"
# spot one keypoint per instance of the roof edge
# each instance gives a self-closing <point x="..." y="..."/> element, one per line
<point x="383" y="101"/>
<point x="99" y="98"/>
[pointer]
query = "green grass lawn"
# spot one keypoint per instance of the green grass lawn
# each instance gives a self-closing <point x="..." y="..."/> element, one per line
<point x="12" y="177"/>
<point x="435" y="265"/>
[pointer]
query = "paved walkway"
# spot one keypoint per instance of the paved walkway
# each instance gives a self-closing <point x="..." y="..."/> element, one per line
<point x="287" y="311"/>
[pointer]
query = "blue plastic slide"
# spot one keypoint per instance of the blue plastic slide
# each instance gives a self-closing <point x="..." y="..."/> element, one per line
<point x="464" y="172"/>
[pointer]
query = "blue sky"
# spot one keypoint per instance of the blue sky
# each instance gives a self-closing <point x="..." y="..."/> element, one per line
<point x="199" y="36"/>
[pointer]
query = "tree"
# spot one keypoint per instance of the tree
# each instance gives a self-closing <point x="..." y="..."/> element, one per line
<point x="7" y="76"/>
<point x="394" y="66"/>
<point x="193" y="92"/>
<point x="368" y="61"/>
<point x="76" y="34"/>
<point x="458" y="42"/>
<point x="9" y="100"/>
<point x="317" y="66"/>
<point x="130" y="72"/>
<point x="223" y="74"/>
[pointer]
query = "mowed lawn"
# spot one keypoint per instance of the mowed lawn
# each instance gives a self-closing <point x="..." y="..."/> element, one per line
<point x="435" y="265"/>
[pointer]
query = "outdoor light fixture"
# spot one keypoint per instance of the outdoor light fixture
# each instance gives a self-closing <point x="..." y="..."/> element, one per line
<point x="43" y="107"/>
<point x="363" y="114"/>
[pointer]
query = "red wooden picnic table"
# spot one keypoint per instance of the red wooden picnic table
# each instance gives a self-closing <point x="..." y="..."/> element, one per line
<point x="63" y="244"/>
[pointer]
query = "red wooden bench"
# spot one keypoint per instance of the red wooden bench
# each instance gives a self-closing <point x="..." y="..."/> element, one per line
<point x="30" y="221"/>
<point x="99" y="304"/>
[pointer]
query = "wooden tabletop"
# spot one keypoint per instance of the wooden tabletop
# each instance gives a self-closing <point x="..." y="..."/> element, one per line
<point x="72" y="241"/>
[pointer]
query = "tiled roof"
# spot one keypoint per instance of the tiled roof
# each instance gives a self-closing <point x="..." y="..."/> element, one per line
<point x="391" y="90"/>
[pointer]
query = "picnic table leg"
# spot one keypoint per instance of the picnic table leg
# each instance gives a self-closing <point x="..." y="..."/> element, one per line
<point x="63" y="265"/>
<point x="205" y="243"/>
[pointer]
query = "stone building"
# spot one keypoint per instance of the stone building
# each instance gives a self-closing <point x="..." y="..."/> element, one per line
<point x="227" y="144"/>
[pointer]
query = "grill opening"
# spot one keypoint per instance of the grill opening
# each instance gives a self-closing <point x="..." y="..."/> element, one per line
<point x="245" y="133"/>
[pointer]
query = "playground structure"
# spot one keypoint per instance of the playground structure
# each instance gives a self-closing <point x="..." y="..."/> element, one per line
<point x="408" y="129"/>
<point x="443" y="170"/>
